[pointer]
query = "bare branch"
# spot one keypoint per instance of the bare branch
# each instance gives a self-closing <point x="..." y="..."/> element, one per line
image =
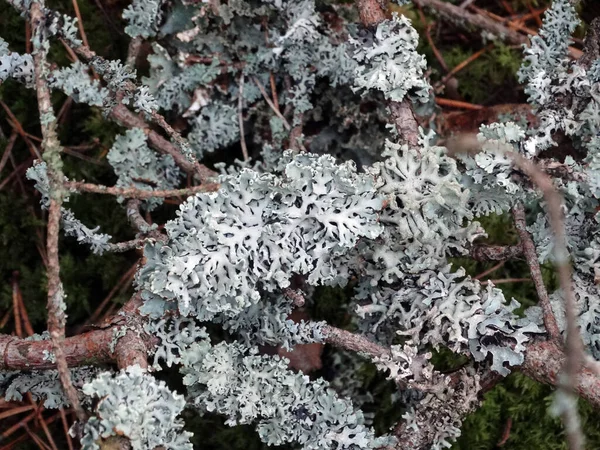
<point x="495" y="252"/>
<point x="91" y="348"/>
<point x="536" y="274"/>
<point x="241" y="118"/>
<point x="125" y="117"/>
<point x="354" y="342"/>
<point x="574" y="345"/>
<point x="272" y="105"/>
<point x="81" y="186"/>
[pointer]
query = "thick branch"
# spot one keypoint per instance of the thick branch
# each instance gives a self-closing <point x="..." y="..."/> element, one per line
<point x="91" y="348"/>
<point x="81" y="186"/>
<point x="544" y="362"/>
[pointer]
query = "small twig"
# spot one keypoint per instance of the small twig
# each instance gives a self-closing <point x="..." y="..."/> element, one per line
<point x="81" y="186"/>
<point x="438" y="87"/>
<point x="12" y="445"/>
<point x="38" y="441"/>
<point x="123" y="116"/>
<point x="574" y="345"/>
<point x="371" y="14"/>
<point x="574" y="52"/>
<point x="135" y="217"/>
<point x="133" y="51"/>
<point x="274" y="91"/>
<point x="530" y="253"/>
<point x="535" y="14"/>
<point x="490" y="270"/>
<point x="495" y="252"/>
<point x="125" y="246"/>
<point x="354" y="342"/>
<point x="435" y="50"/>
<point x="23" y="310"/>
<point x="14" y="411"/>
<point x="16" y="125"/>
<point x="508" y="280"/>
<point x="241" y="118"/>
<point x="44" y="426"/>
<point x="80" y="23"/>
<point x="8" y="149"/>
<point x="125" y="279"/>
<point x="275" y="108"/>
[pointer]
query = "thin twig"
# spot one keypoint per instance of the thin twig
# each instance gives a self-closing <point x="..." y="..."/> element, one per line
<point x="530" y="253"/>
<point x="275" y="108"/>
<point x="51" y="147"/>
<point x="81" y="186"/>
<point x="460" y="67"/>
<point x="241" y="118"/>
<point x="274" y="91"/>
<point x="8" y="149"/>
<point x="574" y="52"/>
<point x="490" y="270"/>
<point x="354" y="342"/>
<point x="127" y="276"/>
<point x="574" y="344"/>
<point x="125" y="117"/>
<point x="495" y="252"/>
<point x="508" y="280"/>
<point x="133" y="51"/>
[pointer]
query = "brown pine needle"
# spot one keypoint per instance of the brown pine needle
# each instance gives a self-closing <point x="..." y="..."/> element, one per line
<point x="457" y="104"/>
<point x="14" y="411"/>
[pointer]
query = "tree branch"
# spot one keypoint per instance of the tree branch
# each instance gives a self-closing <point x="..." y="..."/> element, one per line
<point x="495" y="252"/>
<point x="401" y="113"/>
<point x="120" y="114"/>
<point x="51" y="147"/>
<point x="574" y="345"/>
<point x="458" y="15"/>
<point x="354" y="342"/>
<point x="531" y="256"/>
<point x="82" y="186"/>
<point x="544" y="362"/>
